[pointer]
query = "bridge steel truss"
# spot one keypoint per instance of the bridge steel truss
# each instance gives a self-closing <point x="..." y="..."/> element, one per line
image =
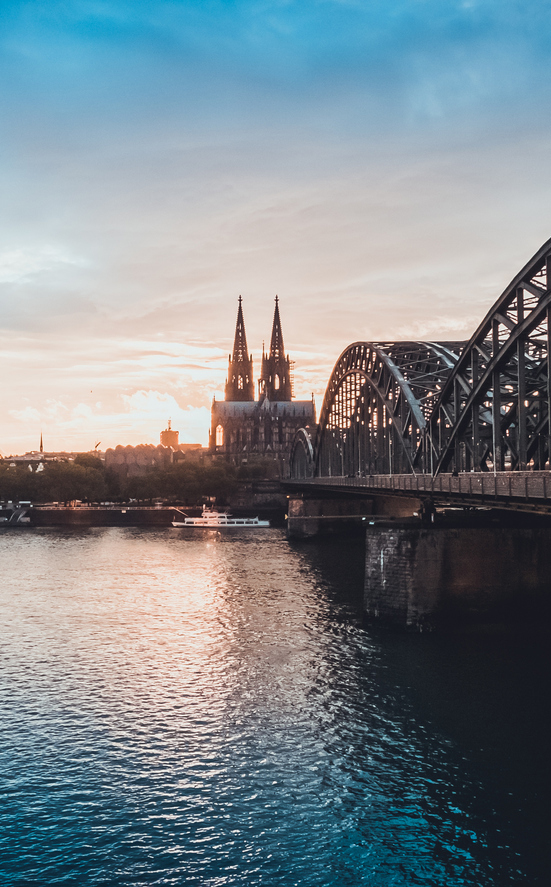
<point x="493" y="411"/>
<point x="430" y="407"/>
<point x="376" y="407"/>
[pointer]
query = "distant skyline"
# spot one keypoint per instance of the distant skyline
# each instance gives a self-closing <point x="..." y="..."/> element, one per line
<point x="382" y="166"/>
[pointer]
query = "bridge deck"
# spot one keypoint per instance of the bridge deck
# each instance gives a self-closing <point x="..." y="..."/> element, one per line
<point x="518" y="490"/>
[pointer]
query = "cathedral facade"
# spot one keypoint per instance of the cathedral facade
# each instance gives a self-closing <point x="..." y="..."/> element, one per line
<point x="242" y="426"/>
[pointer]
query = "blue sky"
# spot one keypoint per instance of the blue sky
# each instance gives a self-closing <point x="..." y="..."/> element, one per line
<point x="382" y="166"/>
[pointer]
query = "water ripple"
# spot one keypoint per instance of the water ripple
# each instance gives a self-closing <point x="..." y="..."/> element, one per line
<point x="211" y="710"/>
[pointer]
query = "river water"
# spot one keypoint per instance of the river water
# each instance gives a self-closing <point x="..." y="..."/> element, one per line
<point x="210" y="709"/>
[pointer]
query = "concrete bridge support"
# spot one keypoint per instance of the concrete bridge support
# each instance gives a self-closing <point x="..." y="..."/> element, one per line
<point x="416" y="576"/>
<point x="479" y="567"/>
<point x="308" y="516"/>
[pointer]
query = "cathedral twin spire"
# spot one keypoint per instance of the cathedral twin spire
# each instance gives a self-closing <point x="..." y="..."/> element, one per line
<point x="275" y="381"/>
<point x="240" y="385"/>
<point x="275" y="375"/>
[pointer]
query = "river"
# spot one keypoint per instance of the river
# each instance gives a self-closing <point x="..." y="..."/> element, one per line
<point x="199" y="708"/>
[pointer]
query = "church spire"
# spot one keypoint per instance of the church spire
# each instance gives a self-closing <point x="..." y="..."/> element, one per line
<point x="277" y="349"/>
<point x="239" y="385"/>
<point x="240" y="341"/>
<point x="275" y="379"/>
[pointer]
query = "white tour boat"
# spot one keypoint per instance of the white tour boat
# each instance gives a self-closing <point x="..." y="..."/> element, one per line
<point x="216" y="519"/>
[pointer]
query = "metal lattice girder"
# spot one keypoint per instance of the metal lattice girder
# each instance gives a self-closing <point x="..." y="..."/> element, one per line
<point x="493" y="411"/>
<point x="302" y="454"/>
<point x="377" y="404"/>
<point x="405" y="407"/>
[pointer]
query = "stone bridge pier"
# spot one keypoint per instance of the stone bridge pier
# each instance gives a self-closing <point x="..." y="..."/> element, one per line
<point x="465" y="567"/>
<point x="418" y="576"/>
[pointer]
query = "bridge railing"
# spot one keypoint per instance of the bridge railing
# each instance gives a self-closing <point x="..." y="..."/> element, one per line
<point x="514" y="485"/>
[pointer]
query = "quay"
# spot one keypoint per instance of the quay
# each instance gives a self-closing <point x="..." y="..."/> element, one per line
<point x="87" y="515"/>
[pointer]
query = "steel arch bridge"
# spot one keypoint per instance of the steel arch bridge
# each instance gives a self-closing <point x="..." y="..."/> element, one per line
<point x="432" y="407"/>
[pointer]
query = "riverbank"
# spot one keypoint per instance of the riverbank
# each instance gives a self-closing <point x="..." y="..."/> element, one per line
<point x="80" y="515"/>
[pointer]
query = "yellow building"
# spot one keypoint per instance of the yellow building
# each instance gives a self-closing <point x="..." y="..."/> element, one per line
<point x="169" y="437"/>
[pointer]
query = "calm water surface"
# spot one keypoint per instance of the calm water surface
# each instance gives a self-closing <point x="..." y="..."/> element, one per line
<point x="211" y="710"/>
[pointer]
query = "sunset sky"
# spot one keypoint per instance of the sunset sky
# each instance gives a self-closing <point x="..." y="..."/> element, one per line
<point x="382" y="165"/>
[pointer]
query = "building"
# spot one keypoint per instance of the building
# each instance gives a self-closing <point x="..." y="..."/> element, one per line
<point x="169" y="437"/>
<point x="35" y="460"/>
<point x="242" y="426"/>
<point x="133" y="461"/>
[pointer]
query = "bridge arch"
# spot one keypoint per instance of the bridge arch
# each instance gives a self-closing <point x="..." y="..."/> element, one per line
<point x="302" y="454"/>
<point x="374" y="415"/>
<point x="431" y="407"/>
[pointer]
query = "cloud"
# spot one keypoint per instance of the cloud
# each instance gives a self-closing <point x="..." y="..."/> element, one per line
<point x="28" y="414"/>
<point x="20" y="264"/>
<point x="438" y="328"/>
<point x="57" y="391"/>
<point x="144" y="407"/>
<point x="227" y="65"/>
<point x="128" y="419"/>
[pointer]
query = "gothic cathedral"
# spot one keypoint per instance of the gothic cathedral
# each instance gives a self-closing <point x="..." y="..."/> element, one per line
<point x="242" y="426"/>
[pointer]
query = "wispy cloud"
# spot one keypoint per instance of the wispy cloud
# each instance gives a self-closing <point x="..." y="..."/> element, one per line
<point x="20" y="265"/>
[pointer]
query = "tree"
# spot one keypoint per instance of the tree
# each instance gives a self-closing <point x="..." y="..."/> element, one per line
<point x="66" y="481"/>
<point x="89" y="460"/>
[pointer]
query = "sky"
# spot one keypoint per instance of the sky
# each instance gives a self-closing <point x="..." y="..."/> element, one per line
<point x="381" y="165"/>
